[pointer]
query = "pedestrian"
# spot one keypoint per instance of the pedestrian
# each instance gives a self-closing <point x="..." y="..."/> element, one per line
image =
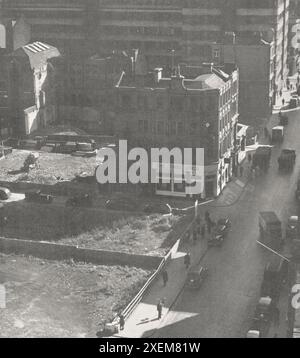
<point x="276" y="316"/>
<point x="165" y="277"/>
<point x="241" y="170"/>
<point x="207" y="217"/>
<point x="121" y="321"/>
<point x="187" y="260"/>
<point x="203" y="231"/>
<point x="159" y="309"/>
<point x="280" y="93"/>
<point x="249" y="158"/>
<point x="266" y="133"/>
<point x="283" y="101"/>
<point x="194" y="237"/>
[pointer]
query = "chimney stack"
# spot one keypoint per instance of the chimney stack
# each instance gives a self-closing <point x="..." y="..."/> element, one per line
<point x="157" y="74"/>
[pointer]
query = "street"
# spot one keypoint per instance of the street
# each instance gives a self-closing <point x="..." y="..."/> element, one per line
<point x="224" y="305"/>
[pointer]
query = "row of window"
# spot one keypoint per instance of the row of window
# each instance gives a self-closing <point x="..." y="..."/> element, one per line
<point x="140" y="30"/>
<point x="140" y="16"/>
<point x="200" y="104"/>
<point x="170" y="128"/>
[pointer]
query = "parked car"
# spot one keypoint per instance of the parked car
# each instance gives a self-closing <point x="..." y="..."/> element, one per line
<point x="80" y="200"/>
<point x="160" y="208"/>
<point x="38" y="196"/>
<point x="264" y="309"/>
<point x="196" y="277"/>
<point x="4" y="193"/>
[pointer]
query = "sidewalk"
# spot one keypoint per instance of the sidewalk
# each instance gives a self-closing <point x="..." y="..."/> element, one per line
<point x="144" y="319"/>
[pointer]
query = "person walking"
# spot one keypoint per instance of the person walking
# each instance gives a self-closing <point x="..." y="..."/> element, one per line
<point x="249" y="158"/>
<point x="121" y="321"/>
<point x="195" y="236"/>
<point x="159" y="309"/>
<point x="203" y="232"/>
<point x="165" y="277"/>
<point x="283" y="102"/>
<point x="276" y="316"/>
<point x="241" y="170"/>
<point x="187" y="260"/>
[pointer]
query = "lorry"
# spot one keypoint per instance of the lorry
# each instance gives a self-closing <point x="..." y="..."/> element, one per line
<point x="262" y="157"/>
<point x="270" y="230"/>
<point x="275" y="272"/>
<point x="286" y="160"/>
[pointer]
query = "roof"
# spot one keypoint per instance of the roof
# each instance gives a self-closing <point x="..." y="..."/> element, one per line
<point x="37" y="52"/>
<point x="206" y="81"/>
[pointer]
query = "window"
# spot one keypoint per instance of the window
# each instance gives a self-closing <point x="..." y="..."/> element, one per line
<point x="216" y="53"/>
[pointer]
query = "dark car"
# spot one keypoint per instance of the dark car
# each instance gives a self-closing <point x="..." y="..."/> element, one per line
<point x="120" y="204"/>
<point x="264" y="310"/>
<point x="160" y="208"/>
<point x="196" y="277"/>
<point x="80" y="200"/>
<point x="4" y="193"/>
<point x="38" y="197"/>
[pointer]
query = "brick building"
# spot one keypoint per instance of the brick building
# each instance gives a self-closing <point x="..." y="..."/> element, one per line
<point x="85" y="87"/>
<point x="31" y="92"/>
<point x="257" y="87"/>
<point x="195" y="108"/>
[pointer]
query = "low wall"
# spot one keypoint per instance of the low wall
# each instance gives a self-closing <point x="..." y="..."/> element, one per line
<point x="59" y="189"/>
<point x="52" y="251"/>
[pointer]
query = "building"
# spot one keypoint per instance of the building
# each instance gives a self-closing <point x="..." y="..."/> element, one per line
<point x="85" y="88"/>
<point x="166" y="31"/>
<point x="63" y="24"/>
<point x="13" y="34"/>
<point x="31" y="91"/>
<point x="294" y="37"/>
<point x="257" y="87"/>
<point x="195" y="108"/>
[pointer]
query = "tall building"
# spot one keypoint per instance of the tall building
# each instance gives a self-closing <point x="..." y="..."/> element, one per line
<point x="61" y="23"/>
<point x="195" y="108"/>
<point x="166" y="31"/>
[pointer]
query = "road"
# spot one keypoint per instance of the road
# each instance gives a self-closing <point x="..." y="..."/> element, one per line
<point x="224" y="305"/>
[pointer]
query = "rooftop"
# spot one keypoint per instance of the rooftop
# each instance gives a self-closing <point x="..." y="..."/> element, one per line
<point x="37" y="53"/>
<point x="188" y="77"/>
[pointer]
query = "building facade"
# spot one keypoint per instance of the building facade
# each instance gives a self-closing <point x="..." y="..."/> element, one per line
<point x="195" y="108"/>
<point x="166" y="31"/>
<point x="31" y="92"/>
<point x="257" y="84"/>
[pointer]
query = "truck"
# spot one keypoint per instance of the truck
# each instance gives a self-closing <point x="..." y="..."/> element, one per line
<point x="270" y="229"/>
<point x="275" y="272"/>
<point x="286" y="160"/>
<point x="262" y="157"/>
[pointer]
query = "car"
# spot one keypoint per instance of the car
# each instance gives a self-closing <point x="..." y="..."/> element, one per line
<point x="4" y="193"/>
<point x="264" y="310"/>
<point x="80" y="200"/>
<point x="215" y="240"/>
<point x="120" y="204"/>
<point x="292" y="226"/>
<point x="160" y="208"/>
<point x="38" y="196"/>
<point x="196" y="277"/>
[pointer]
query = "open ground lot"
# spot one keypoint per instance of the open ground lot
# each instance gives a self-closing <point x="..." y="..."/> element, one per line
<point x="62" y="299"/>
<point x="52" y="167"/>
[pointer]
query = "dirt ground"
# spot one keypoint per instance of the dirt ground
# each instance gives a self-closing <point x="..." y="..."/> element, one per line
<point x="62" y="299"/>
<point x="52" y="167"/>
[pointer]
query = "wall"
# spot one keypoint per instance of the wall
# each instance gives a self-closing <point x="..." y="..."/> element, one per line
<point x="51" y="251"/>
<point x="254" y="80"/>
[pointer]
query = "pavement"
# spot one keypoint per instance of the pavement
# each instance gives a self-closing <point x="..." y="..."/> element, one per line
<point x="144" y="322"/>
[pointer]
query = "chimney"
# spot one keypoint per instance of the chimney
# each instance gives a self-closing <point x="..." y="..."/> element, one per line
<point x="157" y="74"/>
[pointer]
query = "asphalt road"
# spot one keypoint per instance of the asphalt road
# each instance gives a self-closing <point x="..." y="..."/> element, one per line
<point x="224" y="305"/>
